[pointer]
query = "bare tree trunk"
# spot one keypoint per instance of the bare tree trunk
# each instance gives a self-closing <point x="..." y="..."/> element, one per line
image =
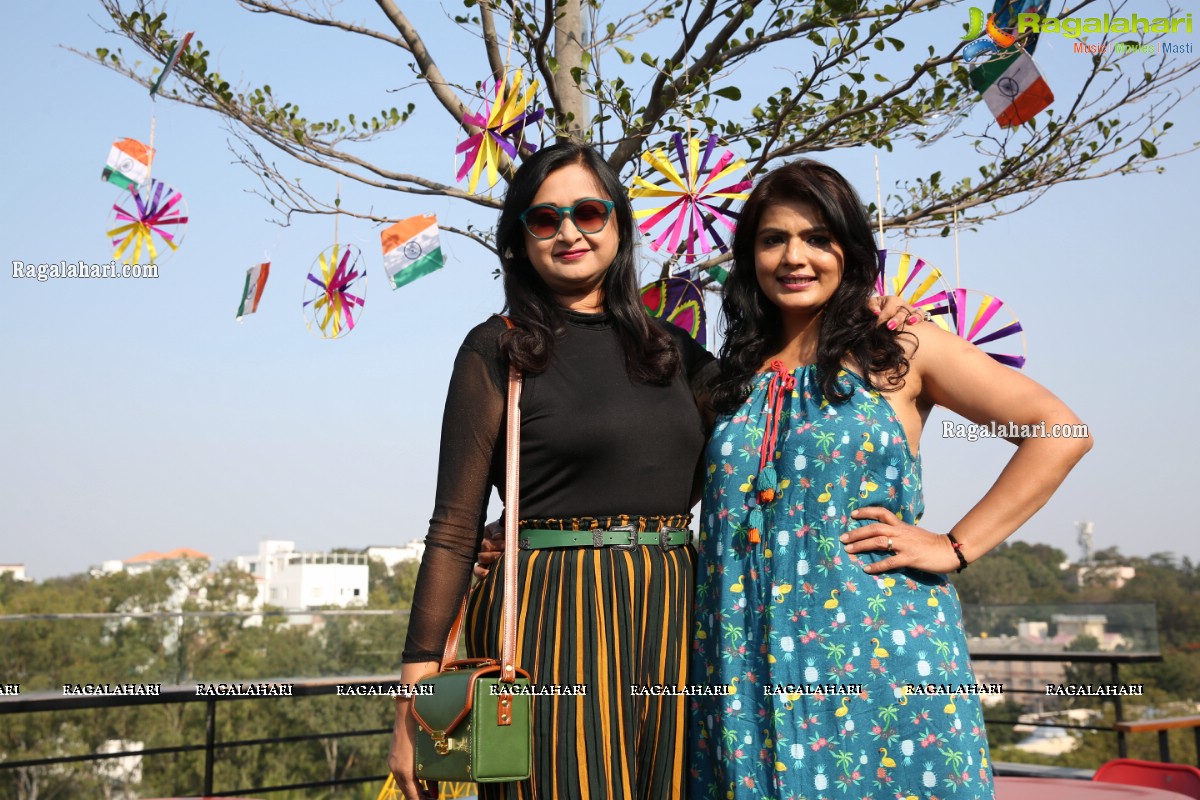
<point x="27" y="783"/>
<point x="568" y="49"/>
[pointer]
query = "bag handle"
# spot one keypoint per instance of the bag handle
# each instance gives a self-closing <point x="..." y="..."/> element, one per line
<point x="512" y="486"/>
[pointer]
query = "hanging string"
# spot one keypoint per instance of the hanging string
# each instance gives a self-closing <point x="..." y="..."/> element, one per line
<point x="150" y="166"/>
<point x="957" y="277"/>
<point x="337" y="213"/>
<point x="879" y="200"/>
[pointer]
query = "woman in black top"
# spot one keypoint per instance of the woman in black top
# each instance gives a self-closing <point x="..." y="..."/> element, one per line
<point x="610" y="436"/>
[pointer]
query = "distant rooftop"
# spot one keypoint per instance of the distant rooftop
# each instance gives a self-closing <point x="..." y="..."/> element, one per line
<point x="171" y="555"/>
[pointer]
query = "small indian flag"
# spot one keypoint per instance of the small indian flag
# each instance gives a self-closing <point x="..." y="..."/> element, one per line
<point x="1013" y="88"/>
<point x="128" y="163"/>
<point x="411" y="249"/>
<point x="172" y="60"/>
<point x="256" y="281"/>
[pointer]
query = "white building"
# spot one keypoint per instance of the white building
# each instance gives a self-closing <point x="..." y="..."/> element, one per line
<point x="392" y="555"/>
<point x="124" y="772"/>
<point x="1112" y="575"/>
<point x="295" y="581"/>
<point x="17" y="571"/>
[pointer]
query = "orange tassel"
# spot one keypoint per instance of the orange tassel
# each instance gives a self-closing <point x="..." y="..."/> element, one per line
<point x="766" y="495"/>
<point x="754" y="537"/>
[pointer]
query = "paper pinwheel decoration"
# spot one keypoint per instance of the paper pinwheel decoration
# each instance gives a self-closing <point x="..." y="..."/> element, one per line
<point x="680" y="302"/>
<point x="150" y="219"/>
<point x="982" y="319"/>
<point x="390" y="790"/>
<point x="335" y="291"/>
<point x="917" y="282"/>
<point x="502" y="122"/>
<point x="693" y="191"/>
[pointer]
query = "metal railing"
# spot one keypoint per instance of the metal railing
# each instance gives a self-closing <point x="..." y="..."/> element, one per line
<point x="218" y="756"/>
<point x="42" y="702"/>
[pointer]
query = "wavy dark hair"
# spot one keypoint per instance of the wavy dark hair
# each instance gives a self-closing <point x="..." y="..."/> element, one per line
<point x="753" y="325"/>
<point x="650" y="354"/>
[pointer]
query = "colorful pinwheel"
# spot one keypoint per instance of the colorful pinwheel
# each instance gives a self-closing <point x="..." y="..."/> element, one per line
<point x="503" y="122"/>
<point x="156" y="219"/>
<point x="982" y="319"/>
<point x="335" y="288"/>
<point x="696" y="191"/>
<point x="917" y="282"/>
<point x="680" y="302"/>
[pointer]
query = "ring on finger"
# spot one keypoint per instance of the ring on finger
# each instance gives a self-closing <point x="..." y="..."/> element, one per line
<point x="889" y="547"/>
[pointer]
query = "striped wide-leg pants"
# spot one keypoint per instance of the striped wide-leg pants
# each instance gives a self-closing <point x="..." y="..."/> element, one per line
<point x="613" y="621"/>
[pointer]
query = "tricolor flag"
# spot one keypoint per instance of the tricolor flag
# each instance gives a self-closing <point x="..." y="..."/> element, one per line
<point x="256" y="281"/>
<point x="128" y="163"/>
<point x="172" y="60"/>
<point x="411" y="249"/>
<point x="1013" y="88"/>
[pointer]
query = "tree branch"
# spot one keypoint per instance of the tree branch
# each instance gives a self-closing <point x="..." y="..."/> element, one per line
<point x="263" y="7"/>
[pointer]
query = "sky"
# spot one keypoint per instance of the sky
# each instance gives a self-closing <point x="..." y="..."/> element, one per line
<point x="139" y="415"/>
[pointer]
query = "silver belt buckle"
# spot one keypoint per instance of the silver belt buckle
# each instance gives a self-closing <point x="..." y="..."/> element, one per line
<point x="664" y="537"/>
<point x="633" y="536"/>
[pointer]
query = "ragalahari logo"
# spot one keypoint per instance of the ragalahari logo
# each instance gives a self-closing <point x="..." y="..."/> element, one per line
<point x="989" y="38"/>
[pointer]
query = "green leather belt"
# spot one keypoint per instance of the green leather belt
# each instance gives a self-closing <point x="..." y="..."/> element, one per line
<point x="625" y="537"/>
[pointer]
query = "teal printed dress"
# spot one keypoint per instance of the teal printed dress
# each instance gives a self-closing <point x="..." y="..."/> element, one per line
<point x="842" y="684"/>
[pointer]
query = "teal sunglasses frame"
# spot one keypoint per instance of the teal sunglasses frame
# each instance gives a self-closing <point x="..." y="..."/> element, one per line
<point x="568" y="211"/>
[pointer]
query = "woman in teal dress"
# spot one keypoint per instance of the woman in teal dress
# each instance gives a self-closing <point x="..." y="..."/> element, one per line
<point x="820" y="601"/>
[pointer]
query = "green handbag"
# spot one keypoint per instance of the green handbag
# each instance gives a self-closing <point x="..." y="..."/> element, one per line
<point x="474" y="721"/>
<point x="469" y="729"/>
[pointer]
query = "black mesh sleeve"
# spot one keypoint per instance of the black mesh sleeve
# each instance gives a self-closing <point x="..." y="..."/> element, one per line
<point x="472" y="440"/>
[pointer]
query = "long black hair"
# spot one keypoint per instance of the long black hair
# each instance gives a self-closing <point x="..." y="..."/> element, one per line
<point x="848" y="329"/>
<point x="650" y="354"/>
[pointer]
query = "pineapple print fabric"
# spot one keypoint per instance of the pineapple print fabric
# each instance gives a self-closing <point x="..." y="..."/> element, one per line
<point x="844" y="684"/>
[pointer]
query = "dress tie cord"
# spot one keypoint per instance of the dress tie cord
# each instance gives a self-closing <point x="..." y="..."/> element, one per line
<point x="767" y="482"/>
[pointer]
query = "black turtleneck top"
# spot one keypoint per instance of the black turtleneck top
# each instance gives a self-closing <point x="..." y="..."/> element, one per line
<point x="593" y="443"/>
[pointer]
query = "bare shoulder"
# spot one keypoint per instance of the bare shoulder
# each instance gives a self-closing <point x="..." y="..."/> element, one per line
<point x="928" y="346"/>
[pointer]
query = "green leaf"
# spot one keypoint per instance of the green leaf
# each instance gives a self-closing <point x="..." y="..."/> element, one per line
<point x="649" y="60"/>
<point x="626" y="56"/>
<point x="1148" y="149"/>
<point x="552" y="62"/>
<point x="729" y="93"/>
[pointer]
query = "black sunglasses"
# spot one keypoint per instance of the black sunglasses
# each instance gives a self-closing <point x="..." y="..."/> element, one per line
<point x="590" y="215"/>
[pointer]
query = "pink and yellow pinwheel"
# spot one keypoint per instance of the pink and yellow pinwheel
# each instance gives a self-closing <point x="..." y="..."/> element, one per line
<point x="693" y="191"/>
<point x="680" y="302"/>
<point x="155" y="223"/>
<point x="917" y="282"/>
<point x="502" y="124"/>
<point x="982" y="319"/>
<point x="334" y="291"/>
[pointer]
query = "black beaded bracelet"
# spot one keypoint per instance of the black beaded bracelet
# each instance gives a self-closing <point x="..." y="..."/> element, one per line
<point x="957" y="545"/>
